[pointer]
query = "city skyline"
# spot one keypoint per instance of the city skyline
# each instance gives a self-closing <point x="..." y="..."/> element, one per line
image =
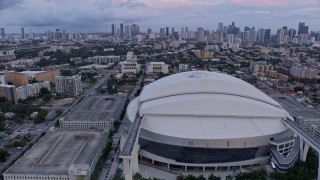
<point x="97" y="16"/>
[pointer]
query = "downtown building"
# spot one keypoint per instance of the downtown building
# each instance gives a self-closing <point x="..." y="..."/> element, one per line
<point x="69" y="85"/>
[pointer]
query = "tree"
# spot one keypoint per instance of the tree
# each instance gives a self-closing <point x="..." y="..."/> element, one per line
<point x="44" y="91"/>
<point x="3" y="155"/>
<point x="229" y="177"/>
<point x="298" y="88"/>
<point x="2" y="125"/>
<point x="214" y="177"/>
<point x="47" y="97"/>
<point x="137" y="176"/>
<point x="41" y="116"/>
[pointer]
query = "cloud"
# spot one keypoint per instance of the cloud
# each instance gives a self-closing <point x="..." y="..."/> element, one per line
<point x="8" y="3"/>
<point x="274" y="3"/>
<point x="98" y="15"/>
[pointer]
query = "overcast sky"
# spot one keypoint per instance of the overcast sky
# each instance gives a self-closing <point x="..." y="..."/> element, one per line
<point x="98" y="15"/>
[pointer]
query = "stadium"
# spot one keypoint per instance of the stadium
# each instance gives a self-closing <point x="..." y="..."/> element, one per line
<point x="203" y="120"/>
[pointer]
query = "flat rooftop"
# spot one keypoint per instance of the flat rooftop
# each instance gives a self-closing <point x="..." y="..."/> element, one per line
<point x="32" y="73"/>
<point x="55" y="152"/>
<point x="96" y="108"/>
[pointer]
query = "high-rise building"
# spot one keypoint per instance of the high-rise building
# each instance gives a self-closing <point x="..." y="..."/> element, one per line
<point x="172" y="31"/>
<point x="232" y="29"/>
<point x="220" y="27"/>
<point x="121" y="30"/>
<point x="113" y="30"/>
<point x="135" y="30"/>
<point x="292" y="34"/>
<point x="303" y="29"/>
<point x="64" y="35"/>
<point x="200" y="34"/>
<point x="149" y="31"/>
<point x="69" y="85"/>
<point x="162" y="32"/>
<point x="261" y="34"/>
<point x="267" y="34"/>
<point x="3" y="34"/>
<point x="8" y="92"/>
<point x="167" y="31"/>
<point x="22" y="33"/>
<point x="128" y="31"/>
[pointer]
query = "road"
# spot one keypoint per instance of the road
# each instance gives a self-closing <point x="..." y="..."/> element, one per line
<point x="109" y="170"/>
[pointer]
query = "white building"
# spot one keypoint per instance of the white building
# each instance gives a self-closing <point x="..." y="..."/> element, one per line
<point x="7" y="55"/>
<point x="69" y="85"/>
<point x="183" y="67"/>
<point x="203" y="120"/>
<point x="23" y="92"/>
<point x="157" y="67"/>
<point x="3" y="79"/>
<point x="56" y="48"/>
<point x="103" y="59"/>
<point x="130" y="67"/>
<point x="131" y="56"/>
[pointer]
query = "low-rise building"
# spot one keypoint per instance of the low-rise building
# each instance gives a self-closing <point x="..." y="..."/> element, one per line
<point x="103" y="59"/>
<point x="60" y="155"/>
<point x="157" y="67"/>
<point x="130" y="67"/>
<point x="23" y="92"/>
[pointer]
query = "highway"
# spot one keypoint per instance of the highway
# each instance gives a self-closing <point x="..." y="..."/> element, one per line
<point x="132" y="137"/>
<point x="305" y="135"/>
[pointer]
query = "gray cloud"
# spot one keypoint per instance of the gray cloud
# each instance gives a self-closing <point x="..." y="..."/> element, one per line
<point x="98" y="15"/>
<point x="8" y="3"/>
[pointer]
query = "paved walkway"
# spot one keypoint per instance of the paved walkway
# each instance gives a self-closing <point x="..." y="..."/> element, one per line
<point x="150" y="172"/>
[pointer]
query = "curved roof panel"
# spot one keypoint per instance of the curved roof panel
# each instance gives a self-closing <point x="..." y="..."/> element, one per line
<point x="202" y="82"/>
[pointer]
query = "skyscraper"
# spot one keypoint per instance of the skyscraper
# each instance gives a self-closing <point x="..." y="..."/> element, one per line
<point x="22" y="33"/>
<point x="162" y="32"/>
<point x="135" y="29"/>
<point x="220" y="27"/>
<point x="172" y="31"/>
<point x="200" y="34"/>
<point x="167" y="31"/>
<point x="149" y="30"/>
<point x="128" y="31"/>
<point x="113" y="30"/>
<point x="267" y="34"/>
<point x="121" y="30"/>
<point x="3" y="34"/>
<point x="303" y="29"/>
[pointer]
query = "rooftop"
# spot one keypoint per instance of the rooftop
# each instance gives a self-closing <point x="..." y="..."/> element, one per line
<point x="54" y="153"/>
<point x="95" y="108"/>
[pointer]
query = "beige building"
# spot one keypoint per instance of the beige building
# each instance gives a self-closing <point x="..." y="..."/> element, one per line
<point x="157" y="67"/>
<point x="262" y="69"/>
<point x="47" y="76"/>
<point x="17" y="79"/>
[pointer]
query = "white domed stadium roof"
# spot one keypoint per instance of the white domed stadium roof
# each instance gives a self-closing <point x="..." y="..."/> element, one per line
<point x="211" y="105"/>
<point x="195" y="82"/>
